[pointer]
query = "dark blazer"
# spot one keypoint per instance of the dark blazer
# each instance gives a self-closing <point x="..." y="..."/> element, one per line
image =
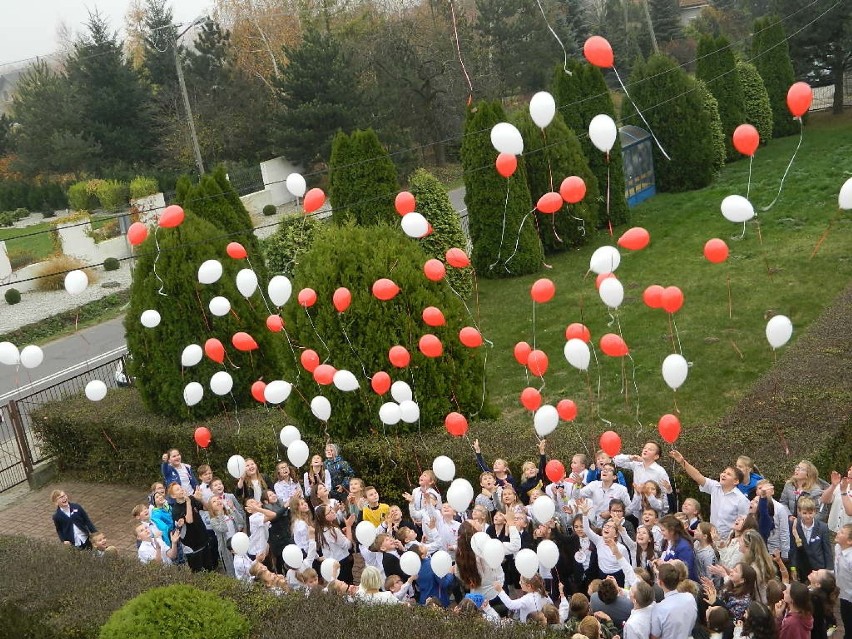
<point x="814" y="555"/>
<point x="65" y="524"/>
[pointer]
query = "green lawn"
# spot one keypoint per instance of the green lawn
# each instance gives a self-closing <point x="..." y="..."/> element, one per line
<point x="35" y="248"/>
<point x="727" y="355"/>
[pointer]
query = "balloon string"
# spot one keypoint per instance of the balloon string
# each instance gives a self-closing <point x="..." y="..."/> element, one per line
<point x="763" y="248"/>
<point x="650" y="130"/>
<point x="608" y="215"/>
<point x="319" y="337"/>
<point x="677" y="335"/>
<point x="730" y="299"/>
<point x="503" y="229"/>
<point x="674" y="399"/>
<point x="236" y="412"/>
<point x="517" y="242"/>
<point x="825" y="234"/>
<point x="564" y="51"/>
<point x="458" y="52"/>
<point x="748" y="184"/>
<point x="538" y="234"/>
<point x="157" y="259"/>
<point x="550" y="177"/>
<point x="671" y="331"/>
<point x="355" y="352"/>
<point x="635" y="389"/>
<point x="597" y="366"/>
<point x="582" y="226"/>
<point x="533" y="324"/>
<point x="787" y="170"/>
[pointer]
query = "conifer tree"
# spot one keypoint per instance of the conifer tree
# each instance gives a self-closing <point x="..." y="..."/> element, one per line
<point x="717" y="67"/>
<point x="771" y="56"/>
<point x="665" y="15"/>
<point x="758" y="110"/>
<point x="711" y="109"/>
<point x="503" y="234"/>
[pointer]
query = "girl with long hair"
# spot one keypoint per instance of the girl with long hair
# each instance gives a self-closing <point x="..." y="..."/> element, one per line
<point x="253" y="484"/>
<point x="678" y="544"/>
<point x="794" y="613"/>
<point x="285" y="483"/>
<point x="804" y="481"/>
<point x="759" y="622"/>
<point x="738" y="592"/>
<point x="474" y="572"/>
<point x="300" y="522"/>
<point x="755" y="554"/>
<point x="729" y="549"/>
<point x="706" y="553"/>
<point x="317" y="473"/>
<point x="502" y="474"/>
<point x="334" y="542"/>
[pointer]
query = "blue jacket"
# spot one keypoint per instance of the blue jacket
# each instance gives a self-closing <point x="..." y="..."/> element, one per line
<point x="749" y="486"/>
<point x="430" y="585"/>
<point x="341" y="472"/>
<point x="170" y="475"/>
<point x="684" y="551"/>
<point x="65" y="524"/>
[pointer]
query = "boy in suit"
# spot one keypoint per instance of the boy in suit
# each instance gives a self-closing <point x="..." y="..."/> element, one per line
<point x="73" y="525"/>
<point x="811" y="548"/>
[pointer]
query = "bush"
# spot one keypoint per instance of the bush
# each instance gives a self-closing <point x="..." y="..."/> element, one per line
<point x="20" y="259"/>
<point x="270" y="209"/>
<point x="142" y="186"/>
<point x="12" y="295"/>
<point x="711" y="109"/>
<point x="52" y="273"/>
<point x="284" y="248"/>
<point x="81" y="197"/>
<point x="112" y="194"/>
<point x="771" y="55"/>
<point x="758" y="111"/>
<point x="717" y="67"/>
<point x="177" y="610"/>
<point x="111" y="264"/>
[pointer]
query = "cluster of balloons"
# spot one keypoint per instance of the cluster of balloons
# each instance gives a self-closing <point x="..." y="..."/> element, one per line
<point x="669" y="298"/>
<point x="29" y="356"/>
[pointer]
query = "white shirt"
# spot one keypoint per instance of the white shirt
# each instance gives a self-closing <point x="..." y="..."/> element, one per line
<point x="285" y="490"/>
<point x="147" y="552"/>
<point x="843" y="571"/>
<point x="607" y="562"/>
<point x="638" y="625"/>
<point x="725" y="507"/>
<point x="326" y="481"/>
<point x="300" y="534"/>
<point x="242" y="564"/>
<point x="675" y="616"/>
<point x="642" y="473"/>
<point x="335" y="544"/>
<point x="523" y="606"/>
<point x="259" y="534"/>
<point x="80" y="536"/>
<point x="837" y="517"/>
<point x="418" y="504"/>
<point x="183" y="476"/>
<point x="381" y="597"/>
<point x="601" y="496"/>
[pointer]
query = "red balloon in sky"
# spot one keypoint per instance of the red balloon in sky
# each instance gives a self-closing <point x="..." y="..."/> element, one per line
<point x="531" y="398"/>
<point x="243" y="342"/>
<point x="537" y="363"/>
<point x="385" y="289"/>
<point x="799" y="98"/>
<point x="470" y="337"/>
<point x="634" y="239"/>
<point x="324" y="374"/>
<point x="399" y="356"/>
<point x="549" y="202"/>
<point x="433" y="316"/>
<point x="599" y="52"/>
<point x="653" y="296"/>
<point x="611" y="443"/>
<point x="669" y="427"/>
<point x="274" y="323"/>
<point x="716" y="251"/>
<point x="430" y="345"/>
<point x="307" y="297"/>
<point x="603" y="276"/>
<point x="171" y="217"/>
<point x="506" y="164"/>
<point x="567" y="410"/>
<point x="341" y="299"/>
<point x="257" y="391"/>
<point x="434" y="270"/>
<point x="672" y="299"/>
<point x="310" y="360"/>
<point x="543" y="290"/>
<point x="522" y="353"/>
<point x="236" y="251"/>
<point x="572" y="189"/>
<point x="456" y="424"/>
<point x="554" y="470"/>
<point x="137" y="233"/>
<point x="314" y="199"/>
<point x="613" y="345"/>
<point x="202" y="436"/>
<point x="214" y="350"/>
<point x="457" y="258"/>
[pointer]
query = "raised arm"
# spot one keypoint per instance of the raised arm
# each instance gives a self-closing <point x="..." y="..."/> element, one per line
<point x="691" y="470"/>
<point x="480" y="461"/>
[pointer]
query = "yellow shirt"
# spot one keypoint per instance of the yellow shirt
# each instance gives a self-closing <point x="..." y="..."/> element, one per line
<point x="375" y="515"/>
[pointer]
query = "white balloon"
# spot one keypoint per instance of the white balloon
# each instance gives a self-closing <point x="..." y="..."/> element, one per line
<point x="444" y="468"/>
<point x="220" y="306"/>
<point x="221" y="383"/>
<point x="543" y="509"/>
<point x="675" y="370"/>
<point x="735" y="208"/>
<point x="460" y="494"/>
<point x="526" y="561"/>
<point x="298" y="453"/>
<point x="779" y="330"/>
<point x="192" y="393"/>
<point x="507" y="139"/>
<point x="414" y="225"/>
<point x="602" y="132"/>
<point x="296" y="184"/>
<point x="240" y="543"/>
<point x="96" y="390"/>
<point x="280" y="289"/>
<point x="76" y="282"/>
<point x="330" y="569"/>
<point x="611" y="292"/>
<point x="545" y="420"/>
<point x="236" y="466"/>
<point x="9" y="354"/>
<point x="246" y="282"/>
<point x="321" y="408"/>
<point x="410" y="563"/>
<point x="345" y="380"/>
<point x="409" y="412"/>
<point x="493" y="552"/>
<point x="605" y="260"/>
<point x="191" y="355"/>
<point x="542" y="109"/>
<point x="150" y="318"/>
<point x="441" y="563"/>
<point x="401" y="392"/>
<point x="277" y="391"/>
<point x="292" y="556"/>
<point x="31" y="356"/>
<point x="577" y="353"/>
<point x="365" y="533"/>
<point x="548" y="553"/>
<point x="289" y="434"/>
<point x="844" y="198"/>
<point x="477" y="543"/>
<point x="209" y="272"/>
<point x="390" y="413"/>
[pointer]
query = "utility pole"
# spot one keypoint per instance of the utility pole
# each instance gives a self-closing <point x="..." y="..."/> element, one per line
<point x="199" y="163"/>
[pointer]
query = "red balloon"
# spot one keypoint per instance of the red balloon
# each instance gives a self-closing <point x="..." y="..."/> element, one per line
<point x="274" y="323"/>
<point x="202" y="436"/>
<point x="137" y="233"/>
<point x="214" y="350"/>
<point x="433" y="316"/>
<point x="310" y="360"/>
<point x="634" y="239"/>
<point x="324" y="374"/>
<point x="171" y="217"/>
<point x="567" y="410"/>
<point x="613" y="345"/>
<point x="542" y="290"/>
<point x="470" y="337"/>
<point x="669" y="427"/>
<point x="549" y="202"/>
<point x="716" y="251"/>
<point x="746" y="139"/>
<point x="578" y="331"/>
<point x="307" y="297"/>
<point x="554" y="470"/>
<point x="457" y="258"/>
<point x="429" y="229"/>
<point x="434" y="270"/>
<point x="572" y="189"/>
<point x="522" y="353"/>
<point x="341" y="299"/>
<point x="431" y="346"/>
<point x="456" y="424"/>
<point x="257" y="391"/>
<point x="404" y="203"/>
<point x="506" y="164"/>
<point x="537" y="363"/>
<point x="603" y="276"/>
<point x="611" y="443"/>
<point x="530" y="398"/>
<point x="399" y="356"/>
<point x="314" y="199"/>
<point x="599" y="52"/>
<point x="385" y="289"/>
<point x="799" y="98"/>
<point x="653" y="296"/>
<point x="244" y="342"/>
<point x="380" y="383"/>
<point x="672" y="299"/>
<point x="236" y="250"/>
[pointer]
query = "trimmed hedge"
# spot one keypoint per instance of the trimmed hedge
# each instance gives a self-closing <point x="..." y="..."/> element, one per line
<point x="284" y="248"/>
<point x="142" y="186"/>
<point x="12" y="295"/>
<point x="111" y="264"/>
<point x="758" y="110"/>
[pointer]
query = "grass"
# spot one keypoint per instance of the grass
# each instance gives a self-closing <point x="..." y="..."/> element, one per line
<point x="37" y="247"/>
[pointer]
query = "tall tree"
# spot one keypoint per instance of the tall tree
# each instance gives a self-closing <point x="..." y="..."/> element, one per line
<point x="758" y="111"/>
<point x="717" y="67"/>
<point x="771" y="55"/>
<point x="5" y="134"/>
<point x="159" y="37"/>
<point x="665" y="15"/>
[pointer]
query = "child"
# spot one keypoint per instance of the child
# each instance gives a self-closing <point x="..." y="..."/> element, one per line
<point x="448" y="529"/>
<point x="100" y="546"/>
<point x="307" y="579"/>
<point x="242" y="565"/>
<point x="751" y="477"/>
<point x="402" y="590"/>
<point x="259" y="530"/>
<point x="224" y="528"/>
<point x="417" y="498"/>
<point x="142" y="515"/>
<point x="356" y="501"/>
<point x="153" y="548"/>
<point x="645" y="466"/>
<point x="488" y="496"/>
<point x="646" y="551"/>
<point x="843" y="571"/>
<point x="230" y="503"/>
<point x="316" y="474"/>
<point x="160" y="512"/>
<point x="408" y="537"/>
<point x="300" y="522"/>
<point x="608" y="564"/>
<point x="706" y="553"/>
<point x="650" y="519"/>
<point x="647" y="495"/>
<point x="175" y="471"/>
<point x="285" y="485"/>
<point x="692" y="509"/>
<point x="811" y="549"/>
<point x="205" y="476"/>
<point x="532" y="474"/>
<point x="375" y="511"/>
<point x="307" y="563"/>
<point x="601" y="459"/>
<point x="533" y="599"/>
<point x="502" y="474"/>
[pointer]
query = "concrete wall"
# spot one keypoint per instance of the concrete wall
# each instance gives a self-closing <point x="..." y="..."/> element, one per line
<point x="150" y="207"/>
<point x="275" y="172"/>
<point x="255" y="202"/>
<point x="5" y="266"/>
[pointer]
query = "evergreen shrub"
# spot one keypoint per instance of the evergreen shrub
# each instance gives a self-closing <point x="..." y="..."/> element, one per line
<point x="12" y="295"/>
<point x="711" y="108"/>
<point x="111" y="264"/>
<point x="717" y="67"/>
<point x="142" y="186"/>
<point x="112" y="194"/>
<point x="270" y="209"/>
<point x="284" y="248"/>
<point x="80" y="198"/>
<point x="771" y="54"/>
<point x="758" y="110"/>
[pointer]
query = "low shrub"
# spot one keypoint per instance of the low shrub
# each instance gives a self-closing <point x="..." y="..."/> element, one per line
<point x="20" y="259"/>
<point x="111" y="264"/>
<point x="142" y="186"/>
<point x="292" y="239"/>
<point x="270" y="209"/>
<point x="52" y="273"/>
<point x="105" y="230"/>
<point x="13" y="296"/>
<point x="112" y="194"/>
<point x="80" y="198"/>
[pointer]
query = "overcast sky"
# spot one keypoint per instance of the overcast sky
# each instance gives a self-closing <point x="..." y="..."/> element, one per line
<point x="28" y="28"/>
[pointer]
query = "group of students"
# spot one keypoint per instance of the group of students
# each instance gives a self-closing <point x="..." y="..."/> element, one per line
<point x="631" y="561"/>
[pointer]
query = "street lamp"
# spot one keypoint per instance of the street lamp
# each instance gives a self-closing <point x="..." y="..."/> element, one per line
<point x="198" y="161"/>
